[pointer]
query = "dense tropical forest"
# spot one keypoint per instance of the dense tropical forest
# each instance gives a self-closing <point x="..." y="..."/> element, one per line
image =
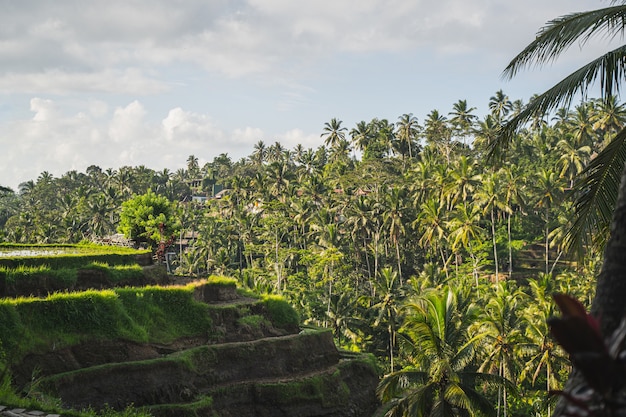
<point x="401" y="236"/>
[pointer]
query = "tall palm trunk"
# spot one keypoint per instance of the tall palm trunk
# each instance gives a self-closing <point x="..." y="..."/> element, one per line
<point x="474" y="264"/>
<point x="508" y="226"/>
<point x="547" y="243"/>
<point x="330" y="292"/>
<point x="376" y="235"/>
<point x="390" y="330"/>
<point x="367" y="259"/>
<point x="495" y="246"/>
<point x="399" y="264"/>
<point x="277" y="266"/>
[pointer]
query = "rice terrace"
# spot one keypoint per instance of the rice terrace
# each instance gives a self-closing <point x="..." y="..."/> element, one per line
<point x="113" y="334"/>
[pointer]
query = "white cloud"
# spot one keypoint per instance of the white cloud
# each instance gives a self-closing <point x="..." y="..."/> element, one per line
<point x="43" y="109"/>
<point x="127" y="125"/>
<point x="294" y="137"/>
<point x="106" y="46"/>
<point x="210" y="67"/>
<point x="56" y="142"/>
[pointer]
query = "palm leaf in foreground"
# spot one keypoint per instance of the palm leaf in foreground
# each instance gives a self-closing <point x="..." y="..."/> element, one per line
<point x="596" y="194"/>
<point x="552" y="40"/>
<point x="611" y="66"/>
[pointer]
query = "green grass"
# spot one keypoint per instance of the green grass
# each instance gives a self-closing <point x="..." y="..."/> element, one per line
<point x="116" y="273"/>
<point x="32" y="277"/>
<point x="222" y="281"/>
<point x="253" y="321"/>
<point x="152" y="314"/>
<point x="77" y="255"/>
<point x="281" y="313"/>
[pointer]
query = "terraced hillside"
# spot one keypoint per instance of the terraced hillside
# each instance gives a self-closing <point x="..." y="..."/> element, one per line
<point x="233" y="354"/>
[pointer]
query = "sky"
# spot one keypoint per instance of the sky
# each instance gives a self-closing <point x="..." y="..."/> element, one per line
<point x="151" y="82"/>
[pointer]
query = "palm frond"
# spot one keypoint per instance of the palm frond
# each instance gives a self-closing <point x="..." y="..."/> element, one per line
<point x="610" y="68"/>
<point x="396" y="383"/>
<point x="596" y="195"/>
<point x="416" y="403"/>
<point x="454" y="394"/>
<point x="479" y="401"/>
<point x="559" y="34"/>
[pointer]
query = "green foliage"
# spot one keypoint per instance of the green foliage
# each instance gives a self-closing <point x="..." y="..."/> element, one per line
<point x="327" y="231"/>
<point x="165" y="313"/>
<point x="140" y="314"/>
<point x="117" y="273"/>
<point x="281" y="313"/>
<point x="31" y="275"/>
<point x="66" y="256"/>
<point x="327" y="389"/>
<point x="148" y="217"/>
<point x="222" y="281"/>
<point x="42" y="277"/>
<point x="67" y="318"/>
<point x="252" y="320"/>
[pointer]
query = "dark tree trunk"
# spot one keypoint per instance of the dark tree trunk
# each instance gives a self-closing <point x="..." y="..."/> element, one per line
<point x="609" y="304"/>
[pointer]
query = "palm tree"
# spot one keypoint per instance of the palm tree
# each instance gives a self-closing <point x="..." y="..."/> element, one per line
<point x="340" y="152"/>
<point x="573" y="159"/>
<point x="280" y="175"/>
<point x="394" y="220"/>
<point x="464" y="226"/>
<point x="260" y="153"/>
<point x="500" y="332"/>
<point x="485" y="133"/>
<point x="580" y="126"/>
<point x="344" y="321"/>
<point x="464" y="180"/>
<point x="359" y="217"/>
<point x="608" y="117"/>
<point x="543" y="357"/>
<point x="385" y="135"/>
<point x="597" y="190"/>
<point x="193" y="167"/>
<point x="437" y="132"/>
<point x="432" y="228"/>
<point x="500" y="105"/>
<point x="307" y="162"/>
<point x="439" y="380"/>
<point x="276" y="153"/>
<point x="387" y="306"/>
<point x="329" y="241"/>
<point x="489" y="198"/>
<point x="549" y="190"/>
<point x="333" y="132"/>
<point x="407" y="131"/>
<point x="514" y="200"/>
<point x="421" y="181"/>
<point x="361" y="135"/>
<point x="462" y="118"/>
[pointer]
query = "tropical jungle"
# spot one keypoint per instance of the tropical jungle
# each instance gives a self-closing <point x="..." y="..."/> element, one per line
<point x="406" y="238"/>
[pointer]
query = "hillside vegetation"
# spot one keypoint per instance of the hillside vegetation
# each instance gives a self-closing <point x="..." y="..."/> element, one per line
<point x="367" y="233"/>
<point x="175" y="350"/>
